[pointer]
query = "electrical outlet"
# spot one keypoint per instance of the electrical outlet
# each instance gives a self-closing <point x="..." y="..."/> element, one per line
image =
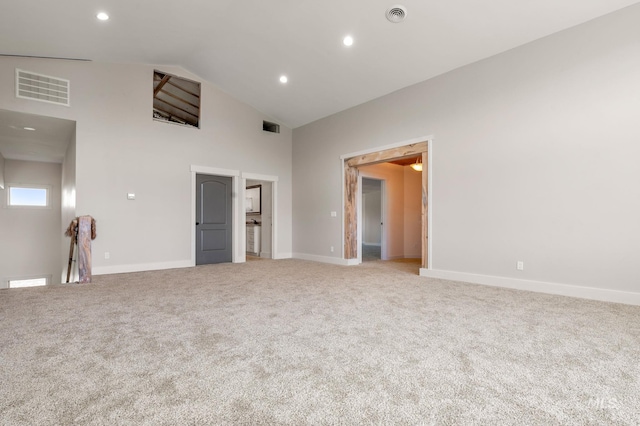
<point x="334" y="214"/>
<point x="520" y="265"/>
<point x="107" y="255"/>
<point x="331" y="249"/>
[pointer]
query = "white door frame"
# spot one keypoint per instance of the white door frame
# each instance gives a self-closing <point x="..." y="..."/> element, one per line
<point x="237" y="223"/>
<point x="274" y="212"/>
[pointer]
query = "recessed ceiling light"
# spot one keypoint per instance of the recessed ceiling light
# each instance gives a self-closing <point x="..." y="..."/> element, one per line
<point x="283" y="79"/>
<point x="29" y="128"/>
<point x="102" y="16"/>
<point x="347" y="41"/>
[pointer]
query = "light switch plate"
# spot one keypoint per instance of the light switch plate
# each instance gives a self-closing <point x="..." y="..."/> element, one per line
<point x="131" y="196"/>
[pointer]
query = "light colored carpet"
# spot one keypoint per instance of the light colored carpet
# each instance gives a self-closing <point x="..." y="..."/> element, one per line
<point x="296" y="342"/>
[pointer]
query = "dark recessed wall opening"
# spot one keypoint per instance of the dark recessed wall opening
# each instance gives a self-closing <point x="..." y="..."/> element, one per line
<point x="176" y="99"/>
<point x="270" y="127"/>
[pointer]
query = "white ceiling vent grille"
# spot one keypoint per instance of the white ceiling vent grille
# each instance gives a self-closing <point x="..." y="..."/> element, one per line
<point x="396" y="13"/>
<point x="44" y="88"/>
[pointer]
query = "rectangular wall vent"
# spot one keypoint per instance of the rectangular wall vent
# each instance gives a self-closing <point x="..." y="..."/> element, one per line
<point x="270" y="127"/>
<point x="43" y="88"/>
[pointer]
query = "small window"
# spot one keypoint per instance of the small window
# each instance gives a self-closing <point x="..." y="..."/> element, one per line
<point x="28" y="196"/>
<point x="32" y="282"/>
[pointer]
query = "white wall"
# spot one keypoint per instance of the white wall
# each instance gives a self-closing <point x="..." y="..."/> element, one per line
<point x="534" y="156"/>
<point x="68" y="206"/>
<point x="412" y="213"/>
<point x="120" y="149"/>
<point x="31" y="237"/>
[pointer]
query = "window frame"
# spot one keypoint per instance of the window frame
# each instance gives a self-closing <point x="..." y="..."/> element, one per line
<point x="46" y="278"/>
<point x="47" y="189"/>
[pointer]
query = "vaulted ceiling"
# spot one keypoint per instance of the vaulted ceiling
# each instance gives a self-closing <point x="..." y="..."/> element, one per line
<point x="244" y="47"/>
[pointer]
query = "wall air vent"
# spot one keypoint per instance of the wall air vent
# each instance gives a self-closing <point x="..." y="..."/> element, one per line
<point x="43" y="88"/>
<point x="270" y="127"/>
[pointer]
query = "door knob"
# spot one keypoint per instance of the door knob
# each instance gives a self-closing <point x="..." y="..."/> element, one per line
<point x="197" y="223"/>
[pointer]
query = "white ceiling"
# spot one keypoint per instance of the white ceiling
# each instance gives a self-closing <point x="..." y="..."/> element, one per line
<point x="244" y="46"/>
<point x="48" y="142"/>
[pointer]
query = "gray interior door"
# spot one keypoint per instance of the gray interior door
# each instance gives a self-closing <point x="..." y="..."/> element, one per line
<point x="213" y="219"/>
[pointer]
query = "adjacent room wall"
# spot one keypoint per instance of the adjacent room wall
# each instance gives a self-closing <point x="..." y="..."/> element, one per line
<point x="404" y="224"/>
<point x="30" y="237"/>
<point x="412" y="213"/>
<point x="120" y="149"/>
<point x="535" y="156"/>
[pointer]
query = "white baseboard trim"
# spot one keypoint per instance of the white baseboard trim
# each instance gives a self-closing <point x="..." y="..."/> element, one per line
<point x="592" y="293"/>
<point x="282" y="256"/>
<point x="325" y="259"/>
<point x="419" y="256"/>
<point x="265" y="254"/>
<point x="122" y="269"/>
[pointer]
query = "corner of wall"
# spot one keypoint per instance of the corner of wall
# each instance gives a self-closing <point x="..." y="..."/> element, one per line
<point x="68" y="204"/>
<point x="1" y="171"/>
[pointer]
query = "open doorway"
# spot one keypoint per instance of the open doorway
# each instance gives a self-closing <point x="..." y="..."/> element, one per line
<point x="353" y="164"/>
<point x="372" y="222"/>
<point x="37" y="197"/>
<point x="259" y="219"/>
<point x="390" y="210"/>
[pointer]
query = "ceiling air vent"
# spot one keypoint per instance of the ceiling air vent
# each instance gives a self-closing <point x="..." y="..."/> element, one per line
<point x="396" y="13"/>
<point x="44" y="88"/>
<point x="270" y="127"/>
